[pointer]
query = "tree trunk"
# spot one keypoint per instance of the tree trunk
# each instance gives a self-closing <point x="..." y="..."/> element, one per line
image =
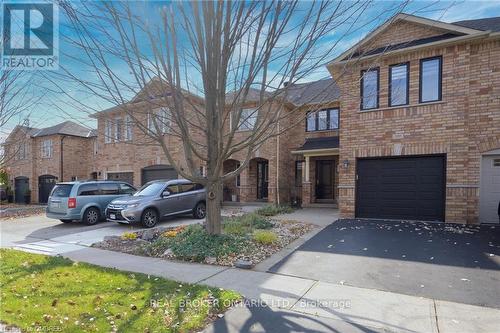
<point x="214" y="199"/>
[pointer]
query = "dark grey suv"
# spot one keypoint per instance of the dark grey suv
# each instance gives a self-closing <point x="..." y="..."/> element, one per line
<point x="158" y="199"/>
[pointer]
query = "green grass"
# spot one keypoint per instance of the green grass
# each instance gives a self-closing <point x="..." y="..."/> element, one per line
<point x="272" y="210"/>
<point x="41" y="291"/>
<point x="265" y="237"/>
<point x="245" y="224"/>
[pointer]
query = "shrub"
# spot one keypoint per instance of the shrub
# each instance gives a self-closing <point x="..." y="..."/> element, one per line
<point x="271" y="210"/>
<point x="243" y="225"/>
<point x="195" y="244"/>
<point x="265" y="237"/>
<point x="129" y="236"/>
<point x="157" y="247"/>
<point x="173" y="232"/>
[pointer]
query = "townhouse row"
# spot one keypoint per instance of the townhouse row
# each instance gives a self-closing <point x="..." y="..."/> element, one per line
<point x="408" y="127"/>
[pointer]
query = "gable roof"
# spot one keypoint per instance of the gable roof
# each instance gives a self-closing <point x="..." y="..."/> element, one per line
<point x="65" y="128"/>
<point x="459" y="30"/>
<point x="484" y="24"/>
<point x="321" y="91"/>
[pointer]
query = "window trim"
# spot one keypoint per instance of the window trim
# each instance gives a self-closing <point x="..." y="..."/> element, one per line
<point x="316" y="120"/>
<point x="47" y="151"/>
<point x="389" y="100"/>
<point x="374" y="69"/>
<point x="440" y="81"/>
<point x="108" y="131"/>
<point x="241" y="121"/>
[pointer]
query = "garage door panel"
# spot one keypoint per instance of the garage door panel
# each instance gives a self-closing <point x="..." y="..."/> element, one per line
<point x="401" y="188"/>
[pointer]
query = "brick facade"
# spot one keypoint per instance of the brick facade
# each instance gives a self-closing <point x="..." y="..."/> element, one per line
<point x="77" y="158"/>
<point x="463" y="125"/>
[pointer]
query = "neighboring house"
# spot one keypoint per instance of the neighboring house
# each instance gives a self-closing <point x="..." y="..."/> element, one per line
<point x="125" y="152"/>
<point x="420" y="134"/>
<point x="311" y="145"/>
<point x="35" y="159"/>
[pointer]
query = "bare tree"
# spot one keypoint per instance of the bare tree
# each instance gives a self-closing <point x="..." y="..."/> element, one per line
<point x="17" y="97"/>
<point x="205" y="62"/>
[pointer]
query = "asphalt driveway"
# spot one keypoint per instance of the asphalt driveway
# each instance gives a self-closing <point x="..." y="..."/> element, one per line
<point x="435" y="260"/>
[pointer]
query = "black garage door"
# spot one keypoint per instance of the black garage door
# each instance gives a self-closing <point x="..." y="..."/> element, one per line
<point x="410" y="188"/>
<point x="159" y="171"/>
<point x="45" y="185"/>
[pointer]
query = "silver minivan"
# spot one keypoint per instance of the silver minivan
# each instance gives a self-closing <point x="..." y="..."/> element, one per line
<point x="84" y="201"/>
<point x="158" y="199"/>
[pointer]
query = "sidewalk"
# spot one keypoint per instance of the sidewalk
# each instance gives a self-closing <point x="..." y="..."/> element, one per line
<point x="304" y="305"/>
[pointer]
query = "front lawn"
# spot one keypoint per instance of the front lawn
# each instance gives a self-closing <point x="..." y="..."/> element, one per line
<point x="41" y="293"/>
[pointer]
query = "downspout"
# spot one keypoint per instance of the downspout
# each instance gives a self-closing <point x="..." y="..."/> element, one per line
<point x="278" y="166"/>
<point x="61" y="167"/>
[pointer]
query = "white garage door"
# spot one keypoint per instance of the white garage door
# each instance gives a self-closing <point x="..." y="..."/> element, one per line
<point x="490" y="189"/>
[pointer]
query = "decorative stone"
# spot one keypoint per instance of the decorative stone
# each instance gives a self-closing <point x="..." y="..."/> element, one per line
<point x="211" y="260"/>
<point x="244" y="264"/>
<point x="168" y="252"/>
<point x="148" y="235"/>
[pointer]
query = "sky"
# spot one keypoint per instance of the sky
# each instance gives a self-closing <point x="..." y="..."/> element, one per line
<point x="53" y="107"/>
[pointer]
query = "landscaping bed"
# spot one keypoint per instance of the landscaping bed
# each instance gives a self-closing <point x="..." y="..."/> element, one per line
<point x="12" y="211"/>
<point x="43" y="293"/>
<point x="250" y="238"/>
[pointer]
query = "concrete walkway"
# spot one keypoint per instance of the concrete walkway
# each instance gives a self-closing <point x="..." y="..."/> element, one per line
<point x="305" y="305"/>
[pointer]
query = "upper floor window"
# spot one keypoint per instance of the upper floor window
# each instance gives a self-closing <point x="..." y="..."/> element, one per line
<point x="118" y="129"/>
<point x="128" y="128"/>
<point x="162" y="118"/>
<point x="399" y="83"/>
<point x="322" y="120"/>
<point x="95" y="147"/>
<point x="47" y="148"/>
<point x="21" y="151"/>
<point x="430" y="79"/>
<point x="369" y="89"/>
<point x="248" y="119"/>
<point x="107" y="131"/>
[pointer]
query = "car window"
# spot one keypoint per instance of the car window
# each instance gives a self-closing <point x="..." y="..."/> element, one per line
<point x="61" y="190"/>
<point x="88" y="189"/>
<point x="187" y="187"/>
<point x="126" y="189"/>
<point x="150" y="189"/>
<point x="173" y="189"/>
<point x="109" y="188"/>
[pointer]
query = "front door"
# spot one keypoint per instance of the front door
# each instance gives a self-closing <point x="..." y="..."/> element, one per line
<point x="324" y="179"/>
<point x="489" y="197"/>
<point x="21" y="186"/>
<point x="262" y="179"/>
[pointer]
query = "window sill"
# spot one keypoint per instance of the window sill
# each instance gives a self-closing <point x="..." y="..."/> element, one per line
<point x="322" y="131"/>
<point x="403" y="106"/>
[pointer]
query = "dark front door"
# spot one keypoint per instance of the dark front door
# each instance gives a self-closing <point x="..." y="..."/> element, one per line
<point x="262" y="179"/>
<point x="21" y="186"/>
<point x="410" y="188"/>
<point x="45" y="185"/>
<point x="324" y="179"/>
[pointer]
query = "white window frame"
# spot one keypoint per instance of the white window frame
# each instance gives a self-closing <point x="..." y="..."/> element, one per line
<point x="107" y="131"/>
<point x="163" y="120"/>
<point x="21" y="151"/>
<point x="128" y="128"/>
<point x="118" y="130"/>
<point x="47" y="148"/>
<point x="247" y="122"/>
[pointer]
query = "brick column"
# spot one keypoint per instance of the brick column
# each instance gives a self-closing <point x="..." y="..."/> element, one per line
<point x="306" y="194"/>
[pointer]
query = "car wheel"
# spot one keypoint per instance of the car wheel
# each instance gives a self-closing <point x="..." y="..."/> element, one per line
<point x="149" y="218"/>
<point x="91" y="216"/>
<point x="200" y="211"/>
<point x="66" y="221"/>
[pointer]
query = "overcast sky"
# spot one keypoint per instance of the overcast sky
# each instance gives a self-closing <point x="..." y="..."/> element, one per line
<point x="53" y="108"/>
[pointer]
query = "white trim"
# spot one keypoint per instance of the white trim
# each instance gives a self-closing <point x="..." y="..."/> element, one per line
<point x="317" y="152"/>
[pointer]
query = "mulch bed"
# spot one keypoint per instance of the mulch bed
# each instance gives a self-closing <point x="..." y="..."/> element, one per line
<point x="10" y="212"/>
<point x="286" y="230"/>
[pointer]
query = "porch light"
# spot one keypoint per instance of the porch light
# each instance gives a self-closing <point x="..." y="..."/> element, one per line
<point x="346" y="163"/>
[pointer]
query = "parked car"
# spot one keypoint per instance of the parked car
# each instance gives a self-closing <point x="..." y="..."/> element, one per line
<point x="84" y="201"/>
<point x="158" y="199"/>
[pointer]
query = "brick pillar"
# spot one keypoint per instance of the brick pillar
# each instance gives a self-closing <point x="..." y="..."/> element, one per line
<point x="306" y="194"/>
